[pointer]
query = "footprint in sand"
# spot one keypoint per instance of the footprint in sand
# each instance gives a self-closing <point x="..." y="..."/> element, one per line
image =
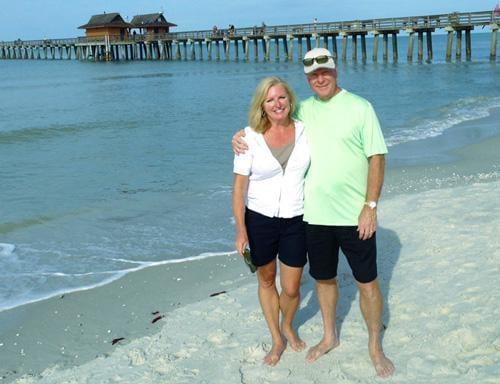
<point x="136" y="357"/>
<point x="222" y="339"/>
<point x="253" y="354"/>
<point x="250" y="375"/>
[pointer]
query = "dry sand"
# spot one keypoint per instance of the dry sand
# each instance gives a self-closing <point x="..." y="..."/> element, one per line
<point x="439" y="254"/>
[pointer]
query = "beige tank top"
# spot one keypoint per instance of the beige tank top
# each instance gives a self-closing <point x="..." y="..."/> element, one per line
<point x="282" y="154"/>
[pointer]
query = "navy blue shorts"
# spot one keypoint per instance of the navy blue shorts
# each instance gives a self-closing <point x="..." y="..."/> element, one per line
<point x="323" y="243"/>
<point x="271" y="236"/>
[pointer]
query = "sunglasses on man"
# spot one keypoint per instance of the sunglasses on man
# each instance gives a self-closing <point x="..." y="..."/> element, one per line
<point x="320" y="60"/>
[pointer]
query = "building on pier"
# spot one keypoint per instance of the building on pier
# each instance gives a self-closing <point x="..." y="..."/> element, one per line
<point x="109" y="25"/>
<point x="153" y="24"/>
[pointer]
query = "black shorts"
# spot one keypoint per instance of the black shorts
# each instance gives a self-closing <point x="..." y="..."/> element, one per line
<point x="323" y="243"/>
<point x="271" y="236"/>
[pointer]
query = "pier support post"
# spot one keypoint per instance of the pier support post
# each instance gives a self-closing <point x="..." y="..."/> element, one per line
<point x="200" y="49"/>
<point x="256" y="49"/>
<point x="217" y="50"/>
<point x="334" y="48"/>
<point x="385" y="47"/>
<point x="170" y="50"/>
<point x="458" y="54"/>
<point x="363" y="47"/>
<point x="468" y="49"/>
<point x="429" y="45"/>
<point x="308" y="43"/>
<point x="288" y="41"/>
<point x="449" y="45"/>
<point x="299" y="40"/>
<point x="276" y="49"/>
<point x="285" y="48"/>
<point x="192" y="46"/>
<point x="265" y="42"/>
<point x="177" y="49"/>
<point x="409" y="54"/>
<point x="493" y="49"/>
<point x="375" y="46"/>
<point x="354" y="38"/>
<point x="420" y="53"/>
<point x="246" y="47"/>
<point x="344" y="46"/>
<point x="227" y="47"/>
<point x="394" y="47"/>
<point x="236" y="49"/>
<point x="184" y="45"/>
<point x="316" y="40"/>
<point x="208" y="42"/>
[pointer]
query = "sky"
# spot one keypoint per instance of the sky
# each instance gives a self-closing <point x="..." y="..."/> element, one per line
<point x="37" y="19"/>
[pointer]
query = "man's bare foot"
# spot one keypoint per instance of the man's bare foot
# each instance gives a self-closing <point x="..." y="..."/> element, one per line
<point x="320" y="349"/>
<point x="294" y="340"/>
<point x="383" y="366"/>
<point x="274" y="354"/>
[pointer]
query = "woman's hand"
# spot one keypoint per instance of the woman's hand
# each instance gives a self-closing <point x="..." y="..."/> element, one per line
<point x="241" y="241"/>
<point x="238" y="143"/>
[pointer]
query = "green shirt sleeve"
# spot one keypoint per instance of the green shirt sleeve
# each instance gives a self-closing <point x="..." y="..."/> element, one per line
<point x="373" y="139"/>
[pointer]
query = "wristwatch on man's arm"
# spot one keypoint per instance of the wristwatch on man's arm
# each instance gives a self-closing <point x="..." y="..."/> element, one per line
<point x="371" y="204"/>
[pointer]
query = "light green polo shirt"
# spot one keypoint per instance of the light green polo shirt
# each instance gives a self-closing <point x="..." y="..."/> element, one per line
<point x="343" y="133"/>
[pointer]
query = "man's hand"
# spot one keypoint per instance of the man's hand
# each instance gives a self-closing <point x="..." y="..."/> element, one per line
<point x="367" y="223"/>
<point x="238" y="143"/>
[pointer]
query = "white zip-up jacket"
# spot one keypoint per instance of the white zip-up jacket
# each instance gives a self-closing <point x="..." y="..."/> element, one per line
<point x="273" y="192"/>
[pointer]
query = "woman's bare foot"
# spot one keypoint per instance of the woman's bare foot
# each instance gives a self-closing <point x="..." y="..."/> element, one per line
<point x="383" y="366"/>
<point x="320" y="349"/>
<point x="295" y="342"/>
<point x="274" y="354"/>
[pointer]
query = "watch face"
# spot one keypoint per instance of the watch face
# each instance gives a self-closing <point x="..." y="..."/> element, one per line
<point x="372" y="204"/>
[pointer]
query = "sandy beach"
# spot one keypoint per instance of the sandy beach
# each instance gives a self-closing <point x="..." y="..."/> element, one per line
<point x="439" y="256"/>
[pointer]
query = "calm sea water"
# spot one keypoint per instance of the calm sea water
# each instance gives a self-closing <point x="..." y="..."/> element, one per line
<point x="109" y="167"/>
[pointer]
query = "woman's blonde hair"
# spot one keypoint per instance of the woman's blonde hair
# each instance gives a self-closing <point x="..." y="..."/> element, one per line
<point x="257" y="118"/>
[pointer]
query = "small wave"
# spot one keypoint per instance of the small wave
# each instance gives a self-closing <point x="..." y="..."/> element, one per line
<point x="202" y="256"/>
<point x="145" y="76"/>
<point x="7" y="249"/>
<point x="464" y="110"/>
<point x="28" y="134"/>
<point x="114" y="275"/>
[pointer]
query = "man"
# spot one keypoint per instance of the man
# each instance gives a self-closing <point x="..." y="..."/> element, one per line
<point x="342" y="188"/>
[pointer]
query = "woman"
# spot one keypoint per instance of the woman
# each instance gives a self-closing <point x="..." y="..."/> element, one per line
<point x="268" y="201"/>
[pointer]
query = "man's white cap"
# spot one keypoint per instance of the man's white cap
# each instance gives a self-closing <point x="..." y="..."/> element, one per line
<point x="316" y="52"/>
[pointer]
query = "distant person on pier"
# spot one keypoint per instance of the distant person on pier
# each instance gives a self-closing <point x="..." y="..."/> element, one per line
<point x="342" y="188"/>
<point x="214" y="31"/>
<point x="268" y="203"/>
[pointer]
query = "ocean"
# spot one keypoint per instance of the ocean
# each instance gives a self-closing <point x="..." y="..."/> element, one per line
<point x="107" y="168"/>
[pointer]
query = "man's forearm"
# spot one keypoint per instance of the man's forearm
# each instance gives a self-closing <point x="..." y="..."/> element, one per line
<point x="375" y="177"/>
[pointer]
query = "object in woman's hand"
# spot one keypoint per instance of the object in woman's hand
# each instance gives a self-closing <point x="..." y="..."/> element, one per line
<point x="248" y="260"/>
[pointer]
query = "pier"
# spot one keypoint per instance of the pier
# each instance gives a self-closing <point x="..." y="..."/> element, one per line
<point x="290" y="42"/>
